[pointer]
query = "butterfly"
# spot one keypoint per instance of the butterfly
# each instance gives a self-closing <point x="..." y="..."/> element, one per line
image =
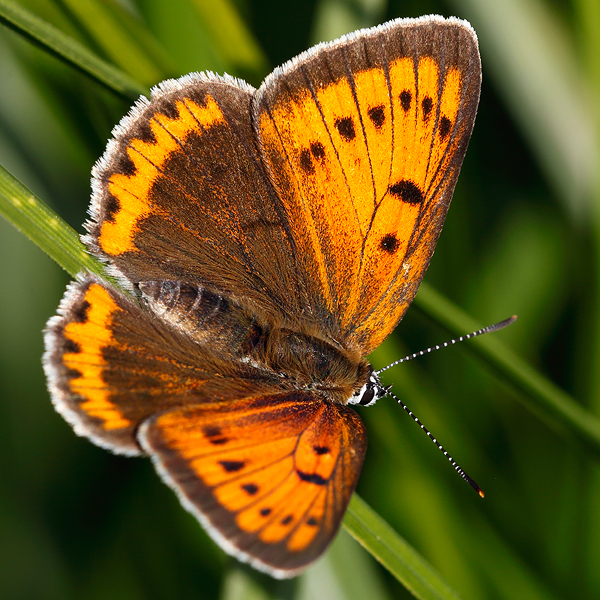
<point x="266" y="242"/>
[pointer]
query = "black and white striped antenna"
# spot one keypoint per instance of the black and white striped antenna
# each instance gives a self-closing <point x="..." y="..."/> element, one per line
<point x="462" y="338"/>
<point x="488" y="329"/>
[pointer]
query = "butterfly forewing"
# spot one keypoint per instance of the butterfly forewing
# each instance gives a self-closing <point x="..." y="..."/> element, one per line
<point x="364" y="139"/>
<point x="270" y="476"/>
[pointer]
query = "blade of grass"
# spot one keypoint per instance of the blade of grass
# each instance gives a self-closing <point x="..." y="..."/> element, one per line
<point x="534" y="63"/>
<point x="145" y="36"/>
<point x="241" y="582"/>
<point x="394" y="553"/>
<point x="182" y="32"/>
<point x="540" y="391"/>
<point x="357" y="576"/>
<point x="69" y="50"/>
<point x="112" y="37"/>
<point x="230" y="35"/>
<point x="44" y="227"/>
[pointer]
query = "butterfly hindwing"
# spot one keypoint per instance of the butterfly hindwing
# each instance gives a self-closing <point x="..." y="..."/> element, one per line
<point x="112" y="363"/>
<point x="181" y="194"/>
<point x="269" y="476"/>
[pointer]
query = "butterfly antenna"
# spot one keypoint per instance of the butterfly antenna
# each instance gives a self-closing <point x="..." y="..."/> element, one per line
<point x="456" y="466"/>
<point x="462" y="338"/>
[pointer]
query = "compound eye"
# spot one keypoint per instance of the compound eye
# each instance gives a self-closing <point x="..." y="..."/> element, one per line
<point x="367" y="397"/>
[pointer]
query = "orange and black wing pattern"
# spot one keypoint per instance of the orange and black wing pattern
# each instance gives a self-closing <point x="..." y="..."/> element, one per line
<point x="363" y="140"/>
<point x="181" y="195"/>
<point x="111" y="364"/>
<point x="270" y="477"/>
<point x="270" y="473"/>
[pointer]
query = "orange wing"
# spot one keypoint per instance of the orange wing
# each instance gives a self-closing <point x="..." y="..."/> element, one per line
<point x="363" y="140"/>
<point x="270" y="477"/>
<point x="249" y="222"/>
<point x="181" y="195"/>
<point x="110" y="364"/>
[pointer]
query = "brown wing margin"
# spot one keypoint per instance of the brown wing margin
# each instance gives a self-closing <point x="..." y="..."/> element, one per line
<point x="269" y="477"/>
<point x="363" y="139"/>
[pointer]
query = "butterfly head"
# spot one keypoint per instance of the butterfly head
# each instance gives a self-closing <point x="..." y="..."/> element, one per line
<point x="370" y="392"/>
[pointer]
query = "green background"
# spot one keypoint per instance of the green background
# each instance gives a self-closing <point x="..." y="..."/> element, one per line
<point x="522" y="237"/>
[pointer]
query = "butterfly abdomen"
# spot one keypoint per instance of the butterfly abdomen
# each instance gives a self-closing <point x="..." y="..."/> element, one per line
<point x="205" y="316"/>
<point x="297" y="361"/>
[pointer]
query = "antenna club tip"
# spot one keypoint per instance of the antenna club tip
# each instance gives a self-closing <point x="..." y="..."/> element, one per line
<point x="481" y="493"/>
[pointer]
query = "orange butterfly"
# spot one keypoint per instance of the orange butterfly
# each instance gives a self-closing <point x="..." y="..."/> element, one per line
<point x="269" y="239"/>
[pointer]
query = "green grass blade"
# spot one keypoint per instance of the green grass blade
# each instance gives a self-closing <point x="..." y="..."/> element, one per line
<point x="232" y="39"/>
<point x="394" y="553"/>
<point x="69" y="50"/>
<point x="44" y="227"/>
<point x="357" y="576"/>
<point x="534" y="63"/>
<point x="541" y="394"/>
<point x="113" y="38"/>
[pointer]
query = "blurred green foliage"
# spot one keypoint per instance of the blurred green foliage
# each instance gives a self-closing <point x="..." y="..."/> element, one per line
<point x="522" y="236"/>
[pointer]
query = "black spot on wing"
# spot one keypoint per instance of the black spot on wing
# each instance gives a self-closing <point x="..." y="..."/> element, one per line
<point x="170" y="110"/>
<point x="389" y="243"/>
<point x="306" y="161"/>
<point x="111" y="207"/>
<point x="318" y="151"/>
<point x="232" y="466"/>
<point x="250" y="488"/>
<point x="426" y="105"/>
<point x="80" y="313"/>
<point x="377" y="116"/>
<point x="214" y="435"/>
<point x="122" y="164"/>
<point x="405" y="100"/>
<point x="345" y="127"/>
<point x="219" y="441"/>
<point x="71" y="374"/>
<point x="311" y="477"/>
<point x="445" y="127"/>
<point x="71" y="347"/>
<point x="144" y="132"/>
<point x="407" y="191"/>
